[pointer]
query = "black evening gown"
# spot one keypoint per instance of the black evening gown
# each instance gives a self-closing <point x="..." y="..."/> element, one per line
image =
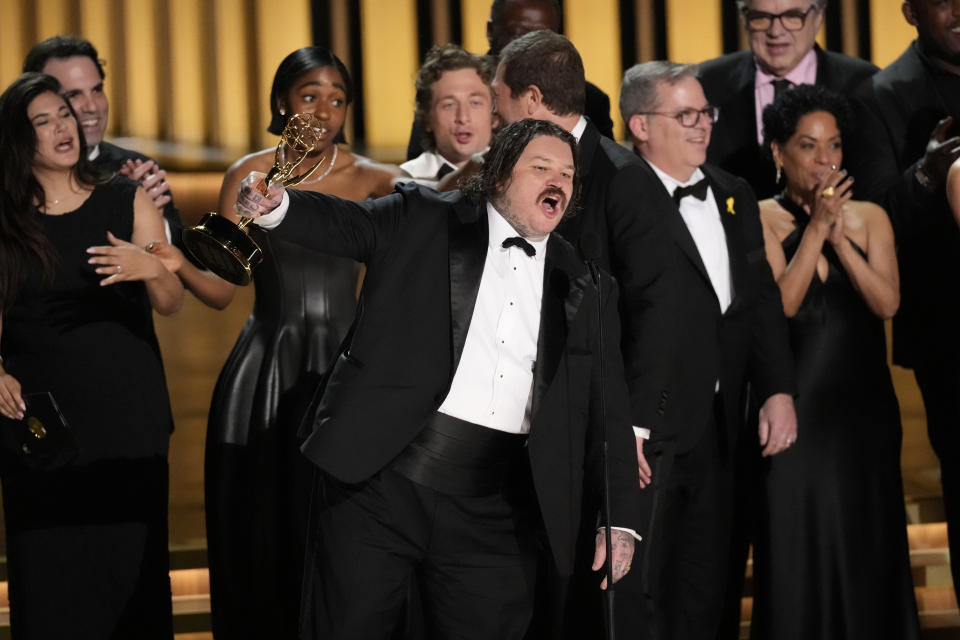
<point x="87" y="543"/>
<point x="831" y="555"/>
<point x="257" y="482"/>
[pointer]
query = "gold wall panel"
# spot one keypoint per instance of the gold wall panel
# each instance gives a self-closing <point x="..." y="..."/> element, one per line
<point x="594" y="29"/>
<point x="15" y="41"/>
<point x="389" y="67"/>
<point x="281" y="26"/>
<point x="890" y="33"/>
<point x="234" y="80"/>
<point x="140" y="85"/>
<point x="694" y="31"/>
<point x="188" y="59"/>
<point x="474" y="15"/>
<point x="54" y="17"/>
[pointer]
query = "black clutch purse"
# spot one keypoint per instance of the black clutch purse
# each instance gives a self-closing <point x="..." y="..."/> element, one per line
<point x="45" y="439"/>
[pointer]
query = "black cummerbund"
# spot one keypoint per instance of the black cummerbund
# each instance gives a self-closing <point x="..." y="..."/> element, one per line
<point x="460" y="458"/>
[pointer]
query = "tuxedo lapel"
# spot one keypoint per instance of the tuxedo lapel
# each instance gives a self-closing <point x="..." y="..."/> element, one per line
<point x="468" y="235"/>
<point x="722" y="192"/>
<point x="661" y="201"/>
<point x="559" y="305"/>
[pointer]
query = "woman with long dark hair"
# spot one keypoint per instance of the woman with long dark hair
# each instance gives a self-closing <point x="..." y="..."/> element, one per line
<point x="257" y="482"/>
<point x="831" y="559"/>
<point x="86" y="534"/>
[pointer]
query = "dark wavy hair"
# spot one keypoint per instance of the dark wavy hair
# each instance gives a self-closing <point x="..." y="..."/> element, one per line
<point x="292" y="67"/>
<point x="781" y="117"/>
<point x="23" y="243"/>
<point x="439" y="60"/>
<point x="505" y="149"/>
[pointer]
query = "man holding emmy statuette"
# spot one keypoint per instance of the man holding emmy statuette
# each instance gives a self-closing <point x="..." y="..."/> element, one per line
<point x="461" y="424"/>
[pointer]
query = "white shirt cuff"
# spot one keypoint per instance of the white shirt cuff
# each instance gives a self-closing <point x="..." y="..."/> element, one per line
<point x="273" y="219"/>
<point x="630" y="531"/>
<point x="640" y="432"/>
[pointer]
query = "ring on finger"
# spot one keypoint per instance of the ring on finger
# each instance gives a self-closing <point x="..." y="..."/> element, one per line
<point x="828" y="192"/>
<point x="119" y="269"/>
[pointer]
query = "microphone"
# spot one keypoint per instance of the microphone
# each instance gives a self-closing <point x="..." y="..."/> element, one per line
<point x="590" y="251"/>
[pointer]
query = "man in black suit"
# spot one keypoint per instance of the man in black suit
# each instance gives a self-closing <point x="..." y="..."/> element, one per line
<point x="540" y="75"/>
<point x="510" y="19"/>
<point x="462" y="419"/>
<point x="908" y="113"/>
<point x="731" y="318"/>
<point x="77" y="66"/>
<point x="783" y="52"/>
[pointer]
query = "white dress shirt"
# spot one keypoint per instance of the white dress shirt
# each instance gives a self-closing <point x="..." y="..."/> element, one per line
<point x="702" y="218"/>
<point x="493" y="383"/>
<point x="424" y="168"/>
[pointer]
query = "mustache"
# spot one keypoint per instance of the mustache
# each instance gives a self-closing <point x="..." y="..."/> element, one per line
<point x="554" y="192"/>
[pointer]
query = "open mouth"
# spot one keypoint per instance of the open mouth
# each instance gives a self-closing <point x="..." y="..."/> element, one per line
<point x="64" y="146"/>
<point x="552" y="203"/>
<point x="463" y="138"/>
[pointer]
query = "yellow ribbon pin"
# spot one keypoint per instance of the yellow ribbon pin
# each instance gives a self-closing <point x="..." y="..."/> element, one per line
<point x="730" y="206"/>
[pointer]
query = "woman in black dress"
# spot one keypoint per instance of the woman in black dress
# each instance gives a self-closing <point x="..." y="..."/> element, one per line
<point x="831" y="558"/>
<point x="257" y="482"/>
<point x="86" y="541"/>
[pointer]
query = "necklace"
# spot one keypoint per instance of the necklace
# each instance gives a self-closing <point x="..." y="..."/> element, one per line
<point x="323" y="175"/>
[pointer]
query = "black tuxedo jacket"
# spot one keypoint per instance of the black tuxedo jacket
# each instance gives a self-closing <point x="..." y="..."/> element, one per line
<point x="425" y="255"/>
<point x="898" y="110"/>
<point x="596" y="107"/>
<point x="628" y="240"/>
<point x="728" y="82"/>
<point x="747" y="342"/>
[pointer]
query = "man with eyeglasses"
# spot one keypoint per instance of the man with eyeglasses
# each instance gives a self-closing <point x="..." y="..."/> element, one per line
<point x="783" y="52"/>
<point x="910" y="125"/>
<point x="734" y="332"/>
<point x="540" y="76"/>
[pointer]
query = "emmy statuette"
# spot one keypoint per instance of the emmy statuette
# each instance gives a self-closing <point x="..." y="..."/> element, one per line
<point x="224" y="247"/>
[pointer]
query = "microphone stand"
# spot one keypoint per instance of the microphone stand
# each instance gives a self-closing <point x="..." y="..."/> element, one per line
<point x="605" y="470"/>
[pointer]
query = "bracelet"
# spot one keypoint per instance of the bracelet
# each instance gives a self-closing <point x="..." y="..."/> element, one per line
<point x="925" y="181"/>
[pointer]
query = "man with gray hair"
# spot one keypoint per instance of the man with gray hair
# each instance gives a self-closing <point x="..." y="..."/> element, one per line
<point x="783" y="52"/>
<point x="734" y="332"/>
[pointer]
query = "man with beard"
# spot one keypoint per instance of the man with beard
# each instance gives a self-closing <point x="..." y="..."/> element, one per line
<point x="460" y="426"/>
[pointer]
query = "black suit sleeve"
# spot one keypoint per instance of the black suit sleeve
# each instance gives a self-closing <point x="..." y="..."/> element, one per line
<point x="611" y="392"/>
<point x="639" y="255"/>
<point x="332" y="225"/>
<point x="771" y="367"/>
<point x="874" y="160"/>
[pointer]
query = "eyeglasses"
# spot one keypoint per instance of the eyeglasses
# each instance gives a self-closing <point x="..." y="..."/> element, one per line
<point x="792" y="20"/>
<point x="689" y="117"/>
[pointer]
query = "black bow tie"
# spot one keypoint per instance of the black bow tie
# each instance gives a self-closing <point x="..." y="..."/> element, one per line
<point x="698" y="191"/>
<point x="444" y="170"/>
<point x="517" y="241"/>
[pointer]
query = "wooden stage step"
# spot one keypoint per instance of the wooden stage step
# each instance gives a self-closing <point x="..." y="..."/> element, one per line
<point x="929" y="558"/>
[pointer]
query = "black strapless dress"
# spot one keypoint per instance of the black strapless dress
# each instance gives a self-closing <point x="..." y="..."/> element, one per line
<point x="87" y="543"/>
<point x="831" y="556"/>
<point x="256" y="480"/>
